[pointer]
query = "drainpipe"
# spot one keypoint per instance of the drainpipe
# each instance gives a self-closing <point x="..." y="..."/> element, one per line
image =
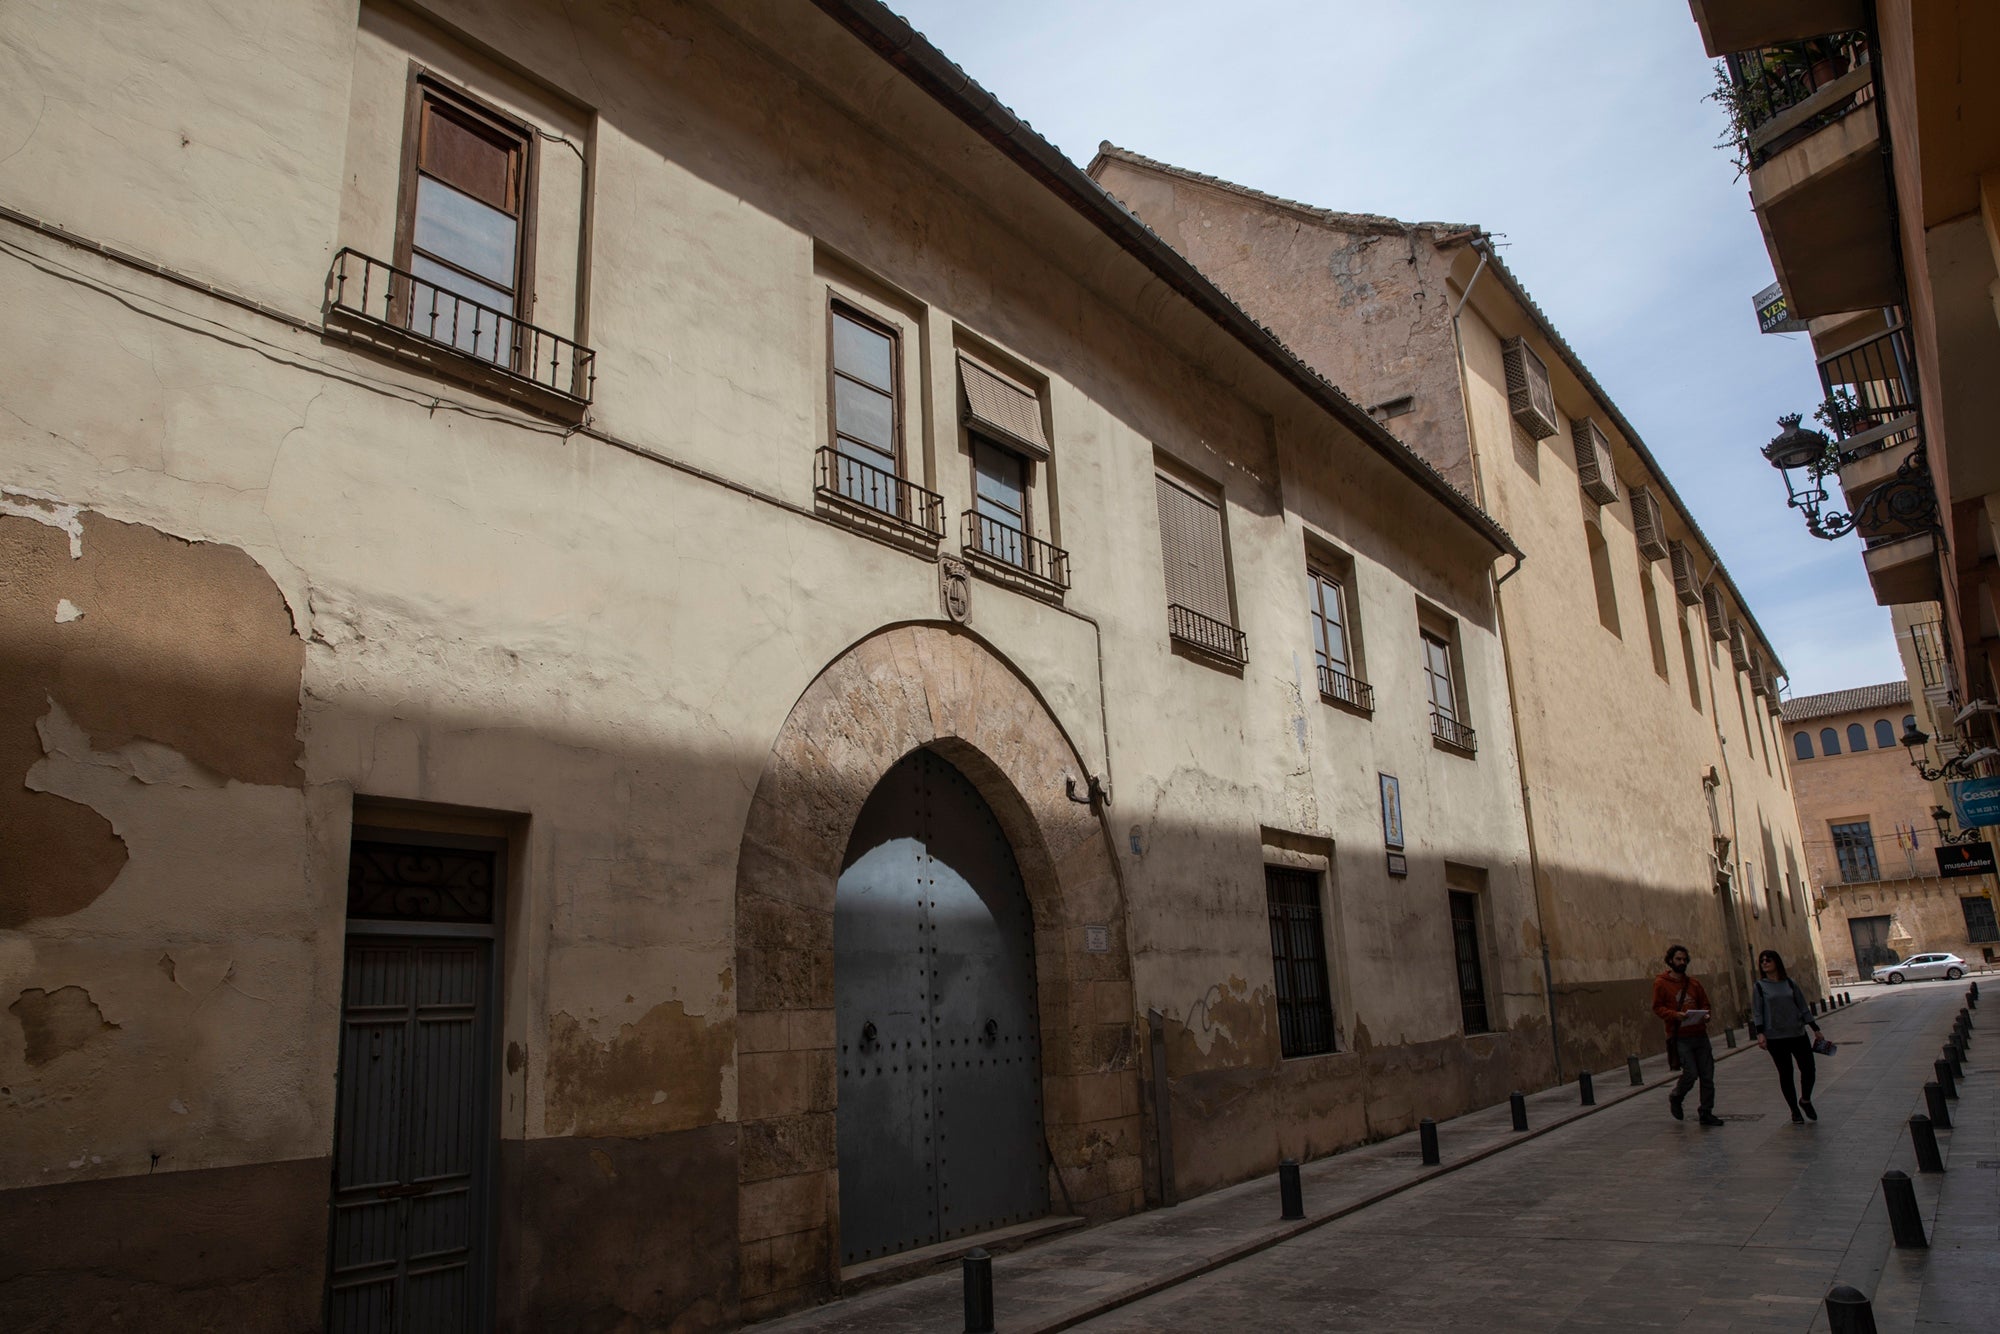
<point x="1507" y="662"/>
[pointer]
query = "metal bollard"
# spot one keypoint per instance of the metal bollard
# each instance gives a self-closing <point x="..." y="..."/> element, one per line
<point x="1955" y="1059"/>
<point x="1517" y="1103"/>
<point x="1291" y="1196"/>
<point x="1584" y="1089"/>
<point x="1904" y="1220"/>
<point x="1944" y="1079"/>
<point x="1848" y="1312"/>
<point x="1974" y="992"/>
<point x="1924" y="1138"/>
<point x="1934" y="1103"/>
<point x="1427" y="1137"/>
<point x="1632" y="1065"/>
<point x="1729" y="1036"/>
<point x="978" y="1268"/>
<point x="1965" y="1015"/>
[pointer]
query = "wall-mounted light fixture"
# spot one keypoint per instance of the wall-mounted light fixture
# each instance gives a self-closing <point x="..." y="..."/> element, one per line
<point x="1942" y="818"/>
<point x="1905" y="502"/>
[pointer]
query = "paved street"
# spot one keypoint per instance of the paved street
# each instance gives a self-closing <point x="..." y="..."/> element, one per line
<point x="1629" y="1220"/>
<point x="1618" y="1218"/>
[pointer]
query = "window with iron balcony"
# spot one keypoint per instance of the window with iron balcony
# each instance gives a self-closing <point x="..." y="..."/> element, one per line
<point x="1008" y="445"/>
<point x="1449" y="728"/>
<point x="457" y="293"/>
<point x="1195" y="560"/>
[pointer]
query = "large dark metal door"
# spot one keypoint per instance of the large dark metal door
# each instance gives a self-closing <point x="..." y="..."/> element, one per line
<point x="413" y="1133"/>
<point x="940" y="1117"/>
<point x="1871" y="944"/>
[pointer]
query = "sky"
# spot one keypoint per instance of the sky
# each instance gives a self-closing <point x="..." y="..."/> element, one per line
<point x="1576" y="130"/>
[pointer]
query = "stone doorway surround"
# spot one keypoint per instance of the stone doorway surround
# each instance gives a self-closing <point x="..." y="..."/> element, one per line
<point x="908" y="686"/>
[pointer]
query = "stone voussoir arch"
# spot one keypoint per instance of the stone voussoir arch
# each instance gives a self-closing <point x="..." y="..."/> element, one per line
<point x="908" y="686"/>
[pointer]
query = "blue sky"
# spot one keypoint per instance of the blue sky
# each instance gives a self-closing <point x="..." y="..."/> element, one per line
<point x="1577" y="131"/>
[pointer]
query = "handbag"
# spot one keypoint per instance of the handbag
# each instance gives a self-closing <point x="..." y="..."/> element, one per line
<point x="1820" y="1045"/>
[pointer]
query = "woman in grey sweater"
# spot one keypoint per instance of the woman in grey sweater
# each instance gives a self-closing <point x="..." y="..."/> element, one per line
<point x="1779" y="1016"/>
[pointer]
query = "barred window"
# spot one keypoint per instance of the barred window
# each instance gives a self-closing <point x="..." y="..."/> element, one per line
<point x="1979" y="923"/>
<point x="1298" y="962"/>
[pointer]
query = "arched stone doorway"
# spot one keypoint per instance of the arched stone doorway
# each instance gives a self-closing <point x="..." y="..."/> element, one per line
<point x="938" y="688"/>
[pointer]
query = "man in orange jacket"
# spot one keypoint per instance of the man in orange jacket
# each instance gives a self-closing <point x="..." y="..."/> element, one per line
<point x="1682" y="1004"/>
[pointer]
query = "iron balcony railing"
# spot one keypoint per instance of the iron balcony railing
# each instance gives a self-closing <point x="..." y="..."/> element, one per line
<point x="1044" y="562"/>
<point x="1933" y="660"/>
<point x="1779" y="95"/>
<point x="1335" y="684"/>
<point x="878" y="495"/>
<point x="1206" y="633"/>
<point x="1871" y="401"/>
<point x="359" y="286"/>
<point x="1453" y="733"/>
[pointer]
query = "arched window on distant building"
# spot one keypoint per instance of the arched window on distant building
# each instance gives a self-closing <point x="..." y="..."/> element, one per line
<point x="1829" y="741"/>
<point x="1802" y="745"/>
<point x="1857" y="738"/>
<point x="1885" y="735"/>
<point x="1909" y="721"/>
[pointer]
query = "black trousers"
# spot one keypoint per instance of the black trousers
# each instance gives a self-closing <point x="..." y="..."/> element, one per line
<point x="1787" y="1052"/>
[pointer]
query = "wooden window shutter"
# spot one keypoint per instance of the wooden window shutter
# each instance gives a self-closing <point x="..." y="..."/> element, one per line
<point x="1646" y="524"/>
<point x="1686" y="587"/>
<point x="1529" y="396"/>
<point x="1739" y="646"/>
<point x="1760" y="681"/>
<point x="1594" y="470"/>
<point x="1718" y="616"/>
<point x="1191" y="550"/>
<point x="1000" y="406"/>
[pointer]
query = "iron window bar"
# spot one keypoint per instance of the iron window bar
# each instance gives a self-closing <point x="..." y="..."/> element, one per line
<point x="1927" y="638"/>
<point x="1781" y="94"/>
<point x="876" y="493"/>
<point x="1207" y="634"/>
<point x="362" y="287"/>
<point x="1004" y="544"/>
<point x="1453" y="733"/>
<point x="1338" y="686"/>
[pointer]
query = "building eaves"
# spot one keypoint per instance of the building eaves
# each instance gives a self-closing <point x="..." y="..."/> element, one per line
<point x="1362" y="222"/>
<point x="1570" y="358"/>
<point x="1888" y="695"/>
<point x="903" y="47"/>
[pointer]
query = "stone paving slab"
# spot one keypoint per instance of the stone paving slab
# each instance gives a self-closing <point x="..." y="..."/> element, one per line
<point x="1061" y="1283"/>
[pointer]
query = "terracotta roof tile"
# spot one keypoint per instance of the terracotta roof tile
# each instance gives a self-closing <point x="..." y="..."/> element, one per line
<point x="1888" y="695"/>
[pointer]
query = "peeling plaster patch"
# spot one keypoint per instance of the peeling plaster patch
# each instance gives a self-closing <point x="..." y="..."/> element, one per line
<point x="177" y="1107"/>
<point x="606" y="1088"/>
<point x="67" y="611"/>
<point x="145" y="761"/>
<point x="45" y="508"/>
<point x="57" y="1022"/>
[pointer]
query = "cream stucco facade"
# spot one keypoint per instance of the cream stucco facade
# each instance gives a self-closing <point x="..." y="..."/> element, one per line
<point x="1643" y="737"/>
<point x="280" y="582"/>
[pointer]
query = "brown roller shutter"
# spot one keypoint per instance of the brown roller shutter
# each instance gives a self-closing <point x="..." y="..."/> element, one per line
<point x="1191" y="551"/>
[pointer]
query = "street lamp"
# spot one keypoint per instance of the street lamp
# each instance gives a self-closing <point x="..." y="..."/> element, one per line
<point x="1797" y="449"/>
<point x="1914" y="740"/>
<point x="1942" y="818"/>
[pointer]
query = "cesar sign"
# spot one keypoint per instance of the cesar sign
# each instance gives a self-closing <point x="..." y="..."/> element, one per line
<point x="1976" y="802"/>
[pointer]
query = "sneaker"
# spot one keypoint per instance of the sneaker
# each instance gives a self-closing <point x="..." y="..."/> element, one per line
<point x="1807" y="1108"/>
<point x="1674" y="1106"/>
<point x="1798" y="1117"/>
<point x="1710" y="1119"/>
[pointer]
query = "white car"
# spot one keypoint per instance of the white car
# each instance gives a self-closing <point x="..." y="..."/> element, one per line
<point x="1920" y="966"/>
